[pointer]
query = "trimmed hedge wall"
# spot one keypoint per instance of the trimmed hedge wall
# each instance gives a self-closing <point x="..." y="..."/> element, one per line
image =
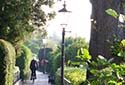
<point x="7" y="63"/>
<point x="23" y="61"/>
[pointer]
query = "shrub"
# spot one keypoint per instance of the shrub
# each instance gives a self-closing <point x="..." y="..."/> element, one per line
<point x="7" y="63"/>
<point x="104" y="72"/>
<point x="23" y="62"/>
<point x="75" y="75"/>
<point x="55" y="64"/>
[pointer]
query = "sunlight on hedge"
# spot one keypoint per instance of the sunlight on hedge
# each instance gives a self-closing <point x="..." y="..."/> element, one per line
<point x="75" y="75"/>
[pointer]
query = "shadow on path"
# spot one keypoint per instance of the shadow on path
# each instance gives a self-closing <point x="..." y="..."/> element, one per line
<point x="42" y="79"/>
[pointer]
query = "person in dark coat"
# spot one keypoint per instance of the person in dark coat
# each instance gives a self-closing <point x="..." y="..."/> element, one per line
<point x="33" y="67"/>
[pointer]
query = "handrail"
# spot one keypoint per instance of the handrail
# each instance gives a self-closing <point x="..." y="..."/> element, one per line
<point x="67" y="82"/>
<point x="16" y="75"/>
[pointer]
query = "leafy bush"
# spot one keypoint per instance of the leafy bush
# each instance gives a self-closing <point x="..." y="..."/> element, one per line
<point x="115" y="46"/>
<point x="83" y="54"/>
<point x="55" y="64"/>
<point x="122" y="51"/>
<point x="104" y="72"/>
<point x="23" y="61"/>
<point x="75" y="75"/>
<point x="71" y="47"/>
<point x="7" y="63"/>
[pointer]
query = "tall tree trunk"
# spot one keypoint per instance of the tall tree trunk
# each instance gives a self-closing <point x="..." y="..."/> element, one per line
<point x="103" y="27"/>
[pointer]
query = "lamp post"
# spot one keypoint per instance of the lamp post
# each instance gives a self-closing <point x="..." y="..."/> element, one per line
<point x="64" y="11"/>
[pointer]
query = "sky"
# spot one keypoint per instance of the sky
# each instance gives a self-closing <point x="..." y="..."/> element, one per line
<point x="78" y="22"/>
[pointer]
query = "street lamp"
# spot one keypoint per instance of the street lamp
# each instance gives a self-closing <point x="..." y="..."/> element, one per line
<point x="64" y="11"/>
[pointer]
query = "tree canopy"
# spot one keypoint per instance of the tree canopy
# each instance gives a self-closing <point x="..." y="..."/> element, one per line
<point x="19" y="18"/>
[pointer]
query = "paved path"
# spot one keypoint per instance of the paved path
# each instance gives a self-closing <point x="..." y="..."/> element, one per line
<point x="42" y="79"/>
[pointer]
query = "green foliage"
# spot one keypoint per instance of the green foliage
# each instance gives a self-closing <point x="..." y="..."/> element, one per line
<point x="111" y="82"/>
<point x="112" y="13"/>
<point x="7" y="63"/>
<point x="34" y="45"/>
<point x="83" y="54"/>
<point x="115" y="46"/>
<point x="72" y="46"/>
<point x="77" y="42"/>
<point x="19" y="18"/>
<point x="102" y="76"/>
<point x="39" y="17"/>
<point x="103" y="72"/>
<point x="121" y="54"/>
<point x="58" y="77"/>
<point x="122" y="51"/>
<point x="14" y="22"/>
<point x="56" y="63"/>
<point x="123" y="43"/>
<point x="75" y="75"/>
<point x="101" y="62"/>
<point x="116" y="15"/>
<point x="119" y="69"/>
<point x="23" y="61"/>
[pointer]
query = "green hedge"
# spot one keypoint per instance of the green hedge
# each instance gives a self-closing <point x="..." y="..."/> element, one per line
<point x="75" y="75"/>
<point x="7" y="63"/>
<point x="23" y="61"/>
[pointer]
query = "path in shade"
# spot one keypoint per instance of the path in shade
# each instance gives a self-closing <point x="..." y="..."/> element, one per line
<point x="42" y="79"/>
